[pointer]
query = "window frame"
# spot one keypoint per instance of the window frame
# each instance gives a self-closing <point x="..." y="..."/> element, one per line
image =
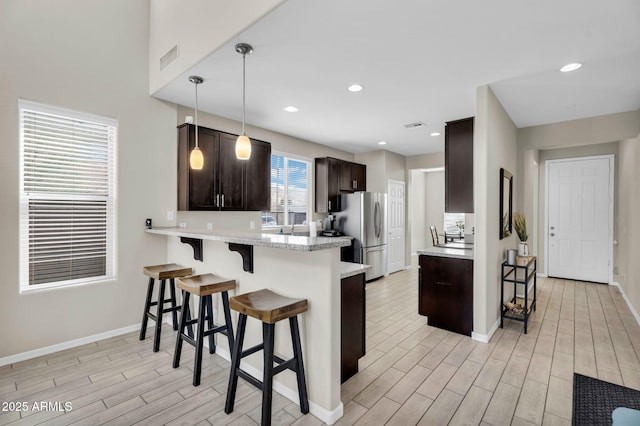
<point x="110" y="199"/>
<point x="288" y="156"/>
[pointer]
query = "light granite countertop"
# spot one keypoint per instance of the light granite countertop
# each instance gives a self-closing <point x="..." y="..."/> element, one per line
<point x="288" y="242"/>
<point x="348" y="269"/>
<point x="458" y="253"/>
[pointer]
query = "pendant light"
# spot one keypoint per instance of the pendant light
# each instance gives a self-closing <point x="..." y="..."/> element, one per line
<point x="243" y="144"/>
<point x="196" y="159"/>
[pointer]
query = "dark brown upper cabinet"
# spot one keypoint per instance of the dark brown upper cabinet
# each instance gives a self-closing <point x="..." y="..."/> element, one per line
<point x="352" y="176"/>
<point x="224" y="183"/>
<point x="335" y="177"/>
<point x="327" y="185"/>
<point x="458" y="166"/>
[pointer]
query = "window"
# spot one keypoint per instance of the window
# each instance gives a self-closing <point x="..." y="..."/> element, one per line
<point x="290" y="195"/>
<point x="454" y="223"/>
<point x="67" y="197"/>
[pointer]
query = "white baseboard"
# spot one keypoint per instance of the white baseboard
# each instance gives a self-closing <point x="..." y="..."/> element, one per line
<point x="484" y="338"/>
<point x="47" y="350"/>
<point x="626" y="299"/>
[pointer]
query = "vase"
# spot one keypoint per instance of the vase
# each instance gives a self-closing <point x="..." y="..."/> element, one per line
<point x="523" y="249"/>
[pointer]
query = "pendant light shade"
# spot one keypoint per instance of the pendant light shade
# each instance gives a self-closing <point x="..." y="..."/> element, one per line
<point x="243" y="144"/>
<point x="243" y="147"/>
<point x="196" y="159"/>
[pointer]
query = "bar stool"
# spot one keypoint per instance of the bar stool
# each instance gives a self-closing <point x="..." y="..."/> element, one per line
<point x="162" y="273"/>
<point x="203" y="286"/>
<point x="269" y="308"/>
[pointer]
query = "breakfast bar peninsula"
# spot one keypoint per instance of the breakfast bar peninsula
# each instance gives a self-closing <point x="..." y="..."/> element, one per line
<point x="292" y="266"/>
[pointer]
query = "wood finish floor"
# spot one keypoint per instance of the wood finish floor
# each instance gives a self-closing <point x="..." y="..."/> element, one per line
<point x="412" y="373"/>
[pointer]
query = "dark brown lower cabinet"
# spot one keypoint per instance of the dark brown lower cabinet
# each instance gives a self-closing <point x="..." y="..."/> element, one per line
<point x="446" y="293"/>
<point x="352" y="307"/>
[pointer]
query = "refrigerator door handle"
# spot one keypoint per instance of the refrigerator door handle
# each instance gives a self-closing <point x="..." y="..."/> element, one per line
<point x="377" y="219"/>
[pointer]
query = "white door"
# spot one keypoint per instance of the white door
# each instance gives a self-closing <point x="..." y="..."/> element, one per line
<point x="396" y="228"/>
<point x="580" y="209"/>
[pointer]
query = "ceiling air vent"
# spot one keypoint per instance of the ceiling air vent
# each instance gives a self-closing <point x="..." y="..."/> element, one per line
<point x="169" y="57"/>
<point x="414" y="124"/>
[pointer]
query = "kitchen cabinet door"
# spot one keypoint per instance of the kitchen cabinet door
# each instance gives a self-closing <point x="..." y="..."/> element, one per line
<point x="458" y="166"/>
<point x="359" y="173"/>
<point x="352" y="328"/>
<point x="327" y="184"/>
<point x="345" y="176"/>
<point x="197" y="189"/>
<point x="230" y="174"/>
<point x="258" y="177"/>
<point x="446" y="293"/>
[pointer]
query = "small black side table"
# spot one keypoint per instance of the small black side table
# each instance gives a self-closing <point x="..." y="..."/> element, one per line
<point x="523" y="273"/>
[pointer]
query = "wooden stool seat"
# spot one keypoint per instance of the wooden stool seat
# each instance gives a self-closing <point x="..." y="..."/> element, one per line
<point x="161" y="273"/>
<point x="205" y="284"/>
<point x="267" y="306"/>
<point x="165" y="272"/>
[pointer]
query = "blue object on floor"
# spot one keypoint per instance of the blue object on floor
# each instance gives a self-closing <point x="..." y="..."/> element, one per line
<point x="623" y="416"/>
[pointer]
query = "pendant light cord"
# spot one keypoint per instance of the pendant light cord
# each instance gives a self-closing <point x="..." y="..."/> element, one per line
<point x="244" y="79"/>
<point x="196" y="84"/>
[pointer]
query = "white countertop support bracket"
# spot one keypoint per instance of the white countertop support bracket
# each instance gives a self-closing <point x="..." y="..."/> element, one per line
<point x="196" y="243"/>
<point x="246" y="251"/>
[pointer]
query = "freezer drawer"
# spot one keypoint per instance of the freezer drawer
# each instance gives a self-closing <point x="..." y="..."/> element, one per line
<point x="376" y="257"/>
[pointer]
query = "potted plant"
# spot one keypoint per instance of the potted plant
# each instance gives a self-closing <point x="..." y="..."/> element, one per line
<point x="520" y="225"/>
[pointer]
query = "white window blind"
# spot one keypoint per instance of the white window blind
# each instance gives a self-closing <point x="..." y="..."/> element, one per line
<point x="67" y="196"/>
<point x="290" y="195"/>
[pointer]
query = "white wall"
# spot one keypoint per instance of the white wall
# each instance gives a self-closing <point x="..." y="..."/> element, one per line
<point x="88" y="56"/>
<point x="198" y="28"/>
<point x="628" y="249"/>
<point x="417" y="194"/>
<point x="494" y="146"/>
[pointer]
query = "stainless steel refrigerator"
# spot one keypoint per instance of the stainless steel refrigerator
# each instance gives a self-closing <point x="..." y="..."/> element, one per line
<point x="363" y="217"/>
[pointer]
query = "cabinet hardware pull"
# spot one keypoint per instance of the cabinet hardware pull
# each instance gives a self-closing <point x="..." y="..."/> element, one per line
<point x="443" y="283"/>
<point x="329" y="205"/>
<point x="223" y="200"/>
<point x="355" y="184"/>
<point x="217" y="200"/>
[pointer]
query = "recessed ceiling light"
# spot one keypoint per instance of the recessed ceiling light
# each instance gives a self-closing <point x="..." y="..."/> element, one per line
<point x="290" y="109"/>
<point x="434" y="134"/>
<point x="355" y="87"/>
<point x="382" y="143"/>
<point x="571" y="67"/>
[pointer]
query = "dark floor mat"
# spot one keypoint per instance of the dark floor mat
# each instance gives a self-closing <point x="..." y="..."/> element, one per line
<point x="595" y="400"/>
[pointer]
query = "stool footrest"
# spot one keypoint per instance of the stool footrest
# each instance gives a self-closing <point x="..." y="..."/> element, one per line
<point x="217" y="329"/>
<point x="252" y="350"/>
<point x="188" y="339"/>
<point x="249" y="378"/>
<point x="284" y="365"/>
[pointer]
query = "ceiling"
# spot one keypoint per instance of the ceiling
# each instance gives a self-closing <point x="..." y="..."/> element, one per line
<point x="420" y="61"/>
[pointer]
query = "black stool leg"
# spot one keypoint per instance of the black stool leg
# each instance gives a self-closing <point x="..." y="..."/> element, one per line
<point x="236" y="355"/>
<point x="174" y="304"/>
<point x="184" y="317"/>
<point x="156" y="337"/>
<point x="147" y="306"/>
<point x="297" y="353"/>
<point x="197" y="368"/>
<point x="227" y="319"/>
<point x="267" y="380"/>
<point x="185" y="308"/>
<point x="212" y="343"/>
